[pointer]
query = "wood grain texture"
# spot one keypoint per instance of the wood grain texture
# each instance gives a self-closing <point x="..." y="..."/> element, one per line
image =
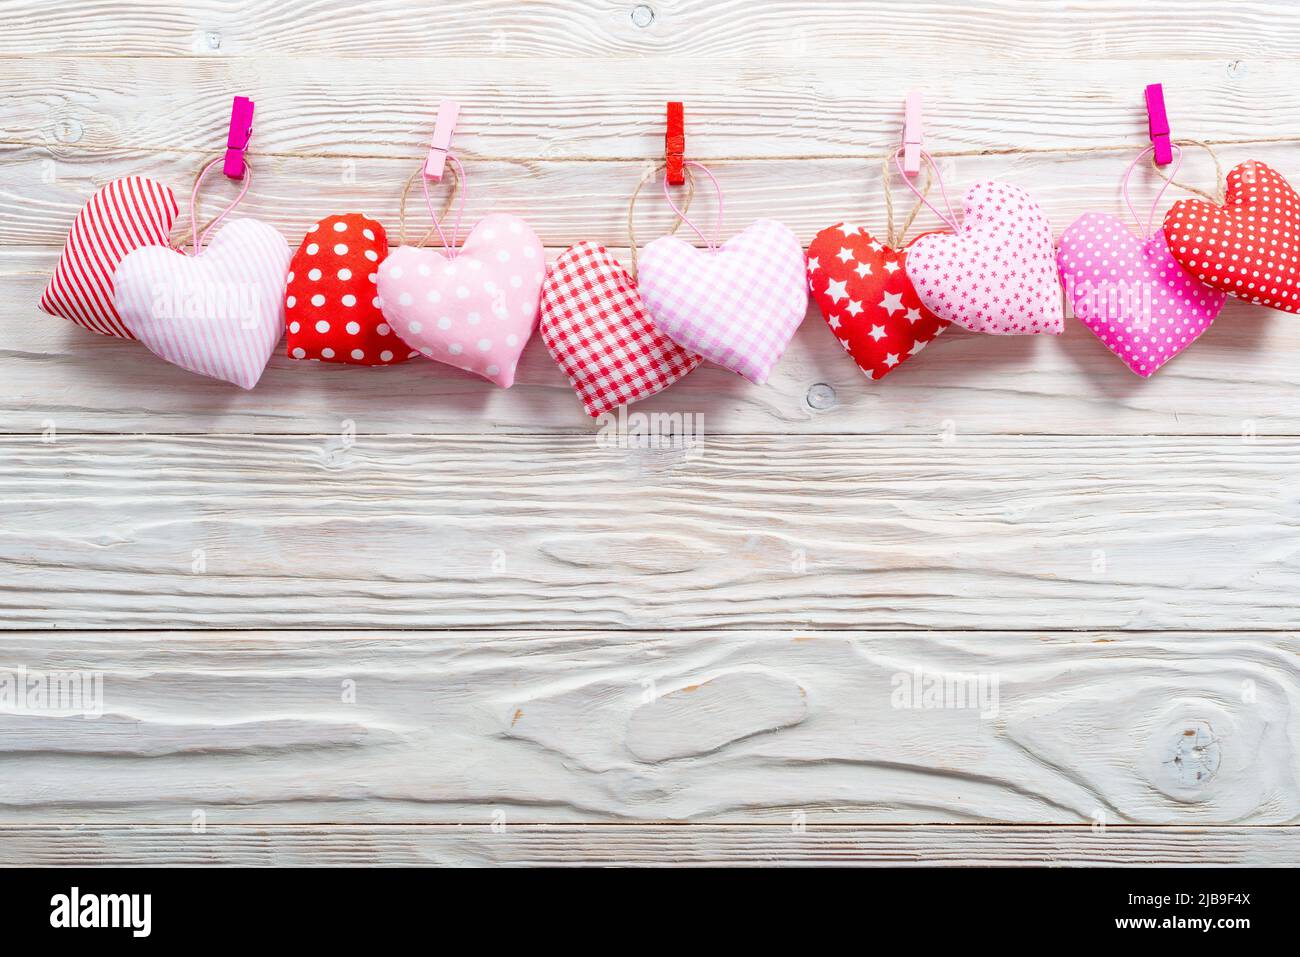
<point x="647" y="845"/>
<point x="729" y="29"/>
<point x="553" y="110"/>
<point x="558" y="532"/>
<point x="761" y="727"/>
<point x="397" y="616"/>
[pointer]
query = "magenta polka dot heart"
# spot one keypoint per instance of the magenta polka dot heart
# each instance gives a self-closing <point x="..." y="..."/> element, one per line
<point x="474" y="311"/>
<point x="997" y="274"/>
<point x="1132" y="293"/>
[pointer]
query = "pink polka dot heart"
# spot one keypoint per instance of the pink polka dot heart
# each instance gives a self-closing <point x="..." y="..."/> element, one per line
<point x="998" y="273"/>
<point x="1132" y="293"/>
<point x="476" y="310"/>
<point x="1250" y="246"/>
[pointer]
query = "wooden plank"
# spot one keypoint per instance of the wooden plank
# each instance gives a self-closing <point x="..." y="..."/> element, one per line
<point x="353" y="530"/>
<point x="795" y="728"/>
<point x="796" y="29"/>
<point x="645" y="845"/>
<point x="383" y="107"/>
<point x="57" y="375"/>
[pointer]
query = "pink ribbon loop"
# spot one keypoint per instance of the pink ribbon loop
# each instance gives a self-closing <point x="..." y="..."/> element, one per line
<point x="200" y="241"/>
<point x="951" y="218"/>
<point x="1178" y="161"/>
<point x="463" y="188"/>
<point x="717" y="227"/>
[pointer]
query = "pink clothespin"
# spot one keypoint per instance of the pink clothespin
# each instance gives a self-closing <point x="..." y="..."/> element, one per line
<point x="1158" y="124"/>
<point x="443" y="127"/>
<point x="912" y="133"/>
<point x="241" y="131"/>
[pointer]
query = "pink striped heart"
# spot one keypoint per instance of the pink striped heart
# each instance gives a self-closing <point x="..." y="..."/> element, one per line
<point x="124" y="215"/>
<point x="219" y="313"/>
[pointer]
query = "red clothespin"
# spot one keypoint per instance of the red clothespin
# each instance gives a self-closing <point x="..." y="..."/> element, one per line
<point x="241" y="131"/>
<point x="675" y="146"/>
<point x="1158" y="124"/>
<point x="912" y="133"/>
<point x="443" y="127"/>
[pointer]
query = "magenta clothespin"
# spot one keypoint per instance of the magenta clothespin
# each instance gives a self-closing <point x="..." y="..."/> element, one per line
<point x="448" y="113"/>
<point x="241" y="131"/>
<point x="912" y="133"/>
<point x="1158" y="124"/>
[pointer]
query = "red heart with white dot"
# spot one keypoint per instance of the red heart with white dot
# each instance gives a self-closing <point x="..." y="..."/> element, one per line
<point x="1250" y="246"/>
<point x="331" y="300"/>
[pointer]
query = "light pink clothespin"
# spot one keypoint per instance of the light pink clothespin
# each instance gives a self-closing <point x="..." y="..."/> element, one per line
<point x="1158" y="124"/>
<point x="912" y="133"/>
<point x="241" y="131"/>
<point x="448" y="113"/>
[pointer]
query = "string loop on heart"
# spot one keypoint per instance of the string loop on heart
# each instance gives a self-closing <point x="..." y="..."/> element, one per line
<point x="631" y="207"/>
<point x="200" y="236"/>
<point x="1218" y="197"/>
<point x="898" y="240"/>
<point x="1145" y="229"/>
<point x="711" y="245"/>
<point x="950" y="218"/>
<point x="457" y="189"/>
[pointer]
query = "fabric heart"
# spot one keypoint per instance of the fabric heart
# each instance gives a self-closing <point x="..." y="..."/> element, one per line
<point x="219" y="313"/>
<point x="596" y="328"/>
<point x="1132" y="293"/>
<point x="476" y="310"/>
<point x="1250" y="246"/>
<point x="737" y="305"/>
<point x="331" y="297"/>
<point x="862" y="289"/>
<point x="997" y="274"/>
<point x="124" y="215"/>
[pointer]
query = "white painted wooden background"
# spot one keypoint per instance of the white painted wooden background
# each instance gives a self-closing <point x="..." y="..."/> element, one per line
<point x="568" y="653"/>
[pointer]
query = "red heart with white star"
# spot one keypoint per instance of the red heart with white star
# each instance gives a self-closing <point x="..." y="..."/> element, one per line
<point x="862" y="289"/>
<point x="1250" y="246"/>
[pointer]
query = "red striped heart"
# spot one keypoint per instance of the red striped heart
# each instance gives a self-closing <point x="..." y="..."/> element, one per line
<point x="126" y="214"/>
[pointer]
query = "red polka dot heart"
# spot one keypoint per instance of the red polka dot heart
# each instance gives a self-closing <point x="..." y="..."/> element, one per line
<point x="1250" y="246"/>
<point x="332" y="298"/>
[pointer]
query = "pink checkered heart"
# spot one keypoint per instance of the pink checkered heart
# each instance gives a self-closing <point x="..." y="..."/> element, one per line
<point x="1132" y="293"/>
<point x="475" y="310"/>
<point x="738" y="305"/>
<point x="997" y="273"/>
<point x="219" y="313"/>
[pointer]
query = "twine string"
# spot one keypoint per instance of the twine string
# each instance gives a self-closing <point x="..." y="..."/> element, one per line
<point x="897" y="240"/>
<point x="631" y="207"/>
<point x="1220" y="194"/>
<point x="457" y="172"/>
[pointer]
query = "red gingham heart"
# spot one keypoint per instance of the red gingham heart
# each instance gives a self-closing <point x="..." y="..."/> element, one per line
<point x="596" y="328"/>
<point x="1250" y="246"/>
<point x="862" y="289"/>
